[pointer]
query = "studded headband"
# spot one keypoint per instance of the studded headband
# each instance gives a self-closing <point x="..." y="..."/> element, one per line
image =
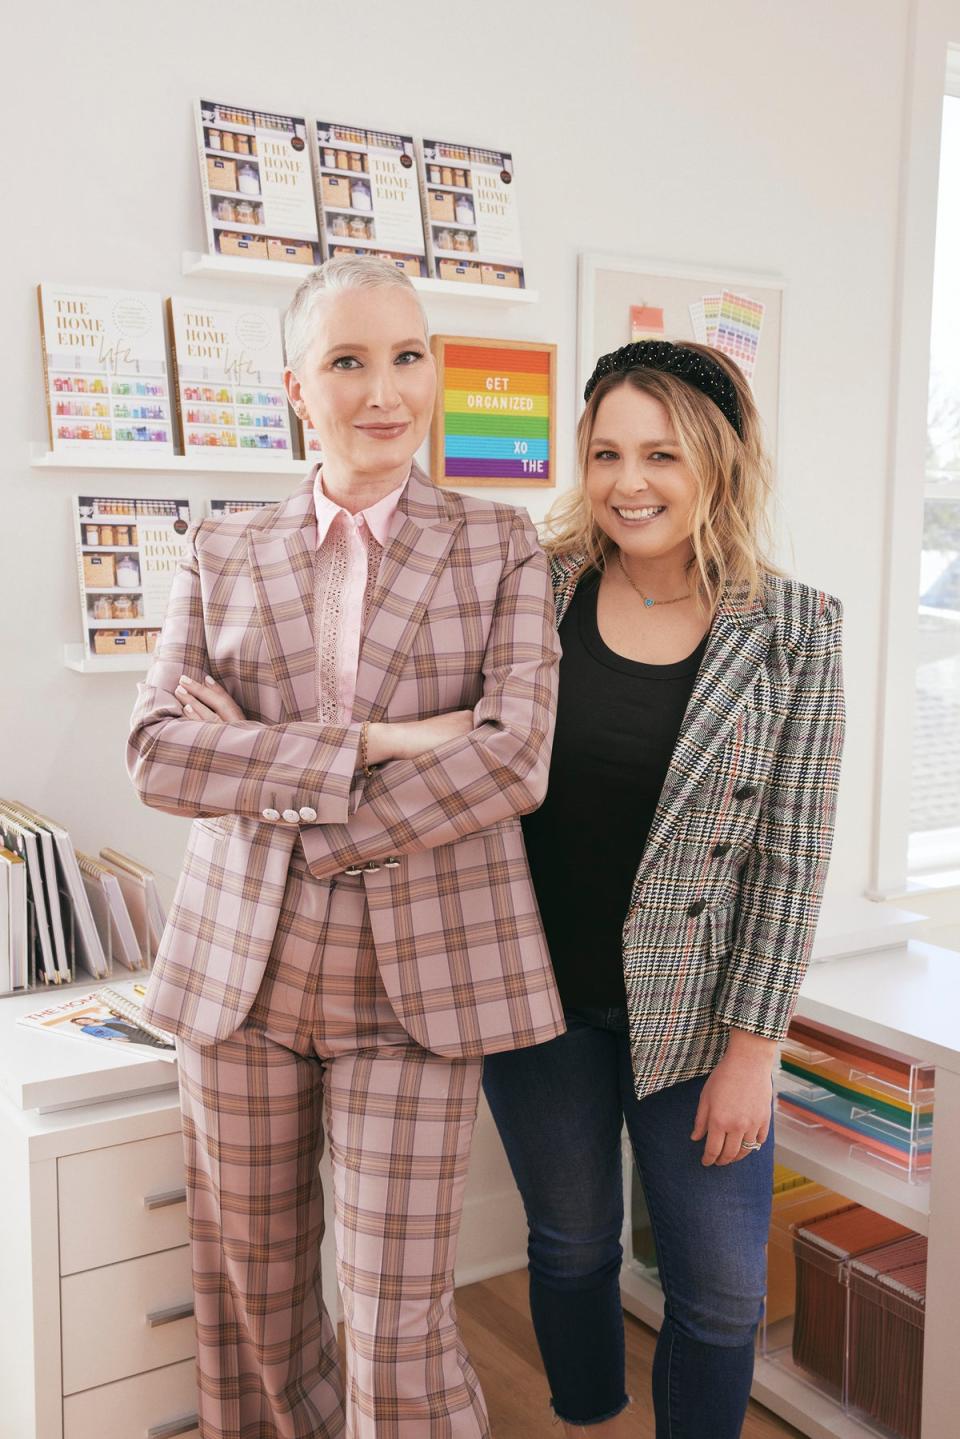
<point x="688" y="365"/>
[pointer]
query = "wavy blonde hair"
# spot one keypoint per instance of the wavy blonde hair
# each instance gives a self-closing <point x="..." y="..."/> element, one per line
<point x="731" y="527"/>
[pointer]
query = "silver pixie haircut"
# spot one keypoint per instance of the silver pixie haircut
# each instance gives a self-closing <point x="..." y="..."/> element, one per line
<point x="343" y="272"/>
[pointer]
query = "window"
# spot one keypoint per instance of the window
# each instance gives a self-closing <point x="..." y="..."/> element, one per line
<point x="935" y="771"/>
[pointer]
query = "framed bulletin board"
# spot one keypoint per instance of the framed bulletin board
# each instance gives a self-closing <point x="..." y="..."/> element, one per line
<point x="495" y="415"/>
<point x="624" y="298"/>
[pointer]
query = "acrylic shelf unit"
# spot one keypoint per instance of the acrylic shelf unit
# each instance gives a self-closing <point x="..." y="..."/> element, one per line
<point x="227" y="462"/>
<point x="905" y="998"/>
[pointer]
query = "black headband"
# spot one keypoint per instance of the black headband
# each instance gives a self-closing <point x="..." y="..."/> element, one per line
<point x="688" y="365"/>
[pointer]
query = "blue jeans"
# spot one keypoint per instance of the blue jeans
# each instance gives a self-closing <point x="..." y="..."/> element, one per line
<point x="559" y="1108"/>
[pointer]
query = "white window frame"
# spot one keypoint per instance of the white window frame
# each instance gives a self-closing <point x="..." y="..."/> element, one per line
<point x="933" y="70"/>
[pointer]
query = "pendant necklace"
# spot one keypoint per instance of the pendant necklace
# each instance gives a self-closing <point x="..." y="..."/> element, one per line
<point x="648" y="602"/>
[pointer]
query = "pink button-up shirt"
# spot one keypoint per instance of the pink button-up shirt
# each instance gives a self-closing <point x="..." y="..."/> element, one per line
<point x="348" y="558"/>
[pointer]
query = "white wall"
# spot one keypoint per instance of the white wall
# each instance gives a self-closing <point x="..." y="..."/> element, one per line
<point x="759" y="136"/>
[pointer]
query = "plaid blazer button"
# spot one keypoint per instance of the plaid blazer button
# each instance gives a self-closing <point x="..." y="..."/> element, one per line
<point x="292" y="816"/>
<point x="698" y="906"/>
<point x="391" y="863"/>
<point x="353" y="869"/>
<point x="719" y="850"/>
<point x="746" y="791"/>
<point x="271" y="814"/>
<point x="372" y="867"/>
<point x="308" y="813"/>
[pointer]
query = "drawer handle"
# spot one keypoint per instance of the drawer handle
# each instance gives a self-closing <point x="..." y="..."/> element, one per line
<point x="161" y="1201"/>
<point x="170" y="1316"/>
<point x="186" y="1425"/>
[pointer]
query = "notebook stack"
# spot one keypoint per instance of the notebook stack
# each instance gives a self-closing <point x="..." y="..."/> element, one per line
<point x="879" y="1100"/>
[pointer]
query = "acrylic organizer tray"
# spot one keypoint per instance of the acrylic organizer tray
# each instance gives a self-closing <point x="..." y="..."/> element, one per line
<point x="880" y="1100"/>
<point x="886" y="1303"/>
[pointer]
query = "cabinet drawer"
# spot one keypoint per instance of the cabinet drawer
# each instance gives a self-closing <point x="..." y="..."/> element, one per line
<point x="125" y="1318"/>
<point x="121" y="1201"/>
<point x="161" y="1404"/>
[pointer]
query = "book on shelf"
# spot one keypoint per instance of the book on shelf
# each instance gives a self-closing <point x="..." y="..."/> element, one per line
<point x="369" y="195"/>
<point x="105" y="370"/>
<point x="128" y="551"/>
<point x="470" y="214"/>
<point x="111" y="915"/>
<point x="61" y="931"/>
<point x="14" y="967"/>
<point x="139" y="886"/>
<point x="108" y="1015"/>
<point x="258" y="199"/>
<point x="223" y="509"/>
<point x="228" y="363"/>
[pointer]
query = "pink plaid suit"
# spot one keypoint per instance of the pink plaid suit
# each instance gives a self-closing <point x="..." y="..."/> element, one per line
<point x="343" y="949"/>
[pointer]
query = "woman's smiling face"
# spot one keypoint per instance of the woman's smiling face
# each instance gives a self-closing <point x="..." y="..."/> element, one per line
<point x="640" y="490"/>
<point x="368" y="379"/>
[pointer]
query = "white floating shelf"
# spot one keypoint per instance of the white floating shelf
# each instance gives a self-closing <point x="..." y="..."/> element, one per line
<point x="76" y="658"/>
<point x="222" y="267"/>
<point x="230" y="463"/>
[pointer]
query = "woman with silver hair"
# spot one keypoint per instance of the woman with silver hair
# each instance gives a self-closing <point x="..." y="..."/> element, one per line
<point x="353" y="699"/>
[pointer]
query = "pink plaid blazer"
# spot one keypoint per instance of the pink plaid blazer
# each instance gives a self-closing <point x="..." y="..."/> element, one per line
<point x="461" y="618"/>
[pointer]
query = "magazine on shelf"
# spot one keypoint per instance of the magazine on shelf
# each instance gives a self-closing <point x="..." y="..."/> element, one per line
<point x="228" y="362"/>
<point x="105" y="370"/>
<point x="369" y="195"/>
<point x="470" y="214"/>
<point x="258" y="196"/>
<point x="128" y="551"/>
<point x="109" y="1015"/>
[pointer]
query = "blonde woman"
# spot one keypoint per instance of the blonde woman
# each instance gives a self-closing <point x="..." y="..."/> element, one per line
<point x="678" y="863"/>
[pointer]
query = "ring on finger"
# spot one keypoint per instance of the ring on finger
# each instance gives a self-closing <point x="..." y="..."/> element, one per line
<point x="751" y="1148"/>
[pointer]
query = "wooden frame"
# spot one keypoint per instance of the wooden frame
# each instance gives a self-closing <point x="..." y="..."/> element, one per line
<point x="475" y="388"/>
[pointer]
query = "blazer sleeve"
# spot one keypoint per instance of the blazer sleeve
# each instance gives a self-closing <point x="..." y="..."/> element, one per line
<point x="781" y="885"/>
<point x="496" y="771"/>
<point x="200" y="769"/>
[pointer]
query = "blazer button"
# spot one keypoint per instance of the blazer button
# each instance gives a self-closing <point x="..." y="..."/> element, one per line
<point x="698" y="906"/>
<point x="271" y="814"/>
<point x="372" y="867"/>
<point x="308" y="814"/>
<point x="353" y="869"/>
<point x="391" y="863"/>
<point x="292" y="816"/>
<point x="746" y="791"/>
<point x="719" y="850"/>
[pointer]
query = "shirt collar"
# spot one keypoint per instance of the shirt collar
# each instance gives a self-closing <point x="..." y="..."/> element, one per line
<point x="378" y="518"/>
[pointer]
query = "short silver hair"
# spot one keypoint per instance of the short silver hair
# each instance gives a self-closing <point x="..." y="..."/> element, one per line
<point x="342" y="272"/>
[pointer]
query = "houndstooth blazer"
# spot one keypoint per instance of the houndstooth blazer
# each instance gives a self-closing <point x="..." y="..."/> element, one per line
<point x="725" y="901"/>
<point x="460" y="618"/>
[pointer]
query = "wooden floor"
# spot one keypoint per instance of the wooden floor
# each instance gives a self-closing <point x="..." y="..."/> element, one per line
<point x="495" y="1323"/>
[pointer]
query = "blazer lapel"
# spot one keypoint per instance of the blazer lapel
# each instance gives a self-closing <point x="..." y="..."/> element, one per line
<point x="282" y="556"/>
<point x="410" y="567"/>
<point x="736" y="651"/>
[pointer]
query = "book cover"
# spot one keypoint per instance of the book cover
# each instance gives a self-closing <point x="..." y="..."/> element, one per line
<point x="470" y="214"/>
<point x="105" y="370"/>
<point x="128" y="551"/>
<point x="258" y="196"/>
<point x="223" y="509"/>
<point x="369" y="195"/>
<point x="228" y="375"/>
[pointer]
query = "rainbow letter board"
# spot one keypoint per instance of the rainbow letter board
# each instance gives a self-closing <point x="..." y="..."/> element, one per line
<point x="494" y="419"/>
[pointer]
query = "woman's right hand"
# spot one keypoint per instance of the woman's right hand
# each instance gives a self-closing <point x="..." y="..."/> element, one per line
<point x="409" y="739"/>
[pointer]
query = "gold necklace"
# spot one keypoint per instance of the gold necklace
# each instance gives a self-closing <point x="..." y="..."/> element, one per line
<point x="646" y="599"/>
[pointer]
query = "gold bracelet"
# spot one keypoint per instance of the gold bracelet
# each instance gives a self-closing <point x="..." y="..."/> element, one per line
<point x="366" y="767"/>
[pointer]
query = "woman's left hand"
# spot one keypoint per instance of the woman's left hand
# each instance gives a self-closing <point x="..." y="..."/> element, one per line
<point x="735" y="1102"/>
<point x="207" y="701"/>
